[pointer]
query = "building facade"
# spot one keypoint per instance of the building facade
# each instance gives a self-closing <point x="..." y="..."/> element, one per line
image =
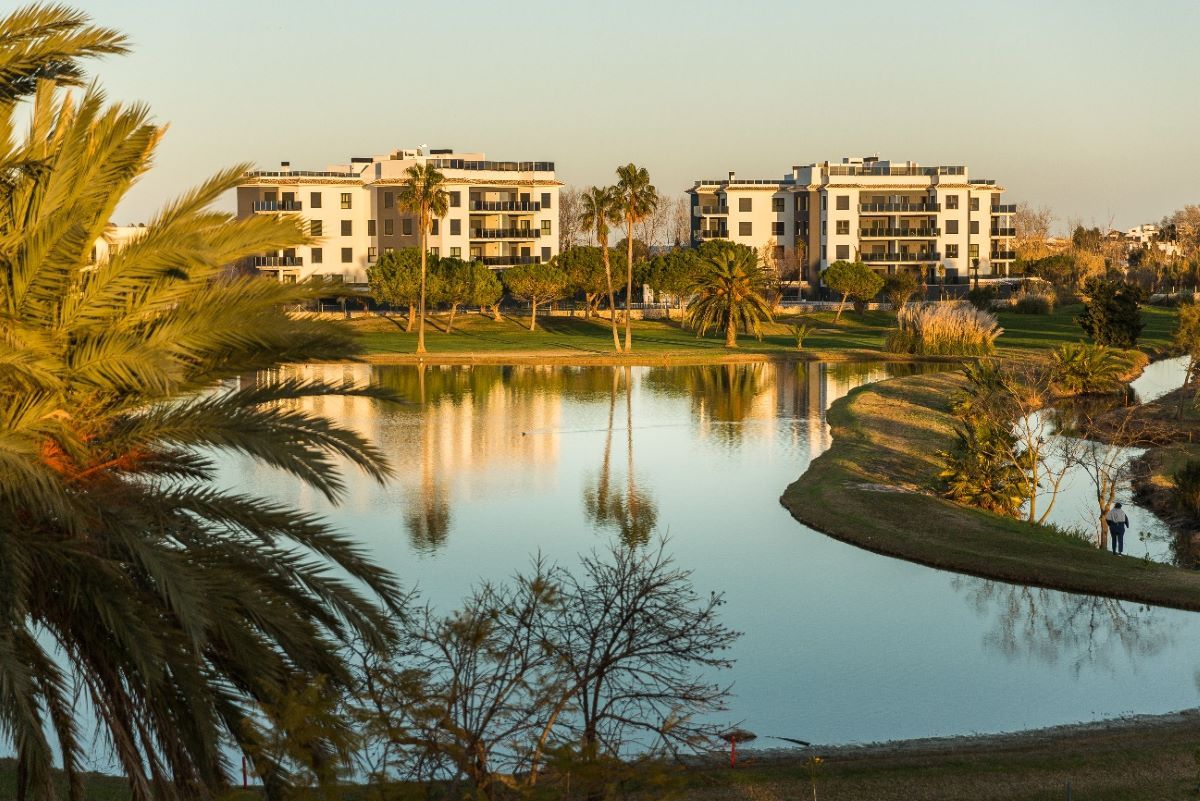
<point x="893" y="216"/>
<point x="501" y="212"/>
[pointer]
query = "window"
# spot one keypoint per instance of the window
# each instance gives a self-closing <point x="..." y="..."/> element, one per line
<point x="843" y="227"/>
<point x="745" y="204"/>
<point x="455" y="199"/>
<point x="974" y="251"/>
<point x="780" y="252"/>
<point x="372" y="255"/>
<point x="974" y="204"/>
<point x="843" y="203"/>
<point x="314" y="227"/>
<point x="951" y="226"/>
<point x="545" y="254"/>
<point x="345" y="200"/>
<point x="952" y="201"/>
<point x="370" y="228"/>
<point x="347" y="228"/>
<point x="455" y="227"/>
<point x="824" y="202"/>
<point x="314" y="200"/>
<point x="951" y="251"/>
<point x="776" y="204"/>
<point x="745" y="229"/>
<point x="545" y="228"/>
<point x="433" y="228"/>
<point x="389" y="227"/>
<point x="407" y="226"/>
<point x="545" y="200"/>
<point x="974" y="226"/>
<point x="843" y="252"/>
<point x="389" y="199"/>
<point x="801" y="202"/>
<point x="347" y="255"/>
<point x="317" y="256"/>
<point x="456" y="253"/>
<point x="433" y="251"/>
<point x="776" y="229"/>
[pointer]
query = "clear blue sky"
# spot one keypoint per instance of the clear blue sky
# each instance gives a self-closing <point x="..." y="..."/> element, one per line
<point x="1092" y="107"/>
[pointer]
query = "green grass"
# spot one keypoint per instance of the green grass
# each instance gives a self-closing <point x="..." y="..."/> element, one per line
<point x="576" y="339"/>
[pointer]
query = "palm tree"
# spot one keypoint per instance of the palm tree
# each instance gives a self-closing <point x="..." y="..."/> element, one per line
<point x="136" y="591"/>
<point x="424" y="194"/>
<point x="730" y="294"/>
<point x="598" y="208"/>
<point x="636" y="199"/>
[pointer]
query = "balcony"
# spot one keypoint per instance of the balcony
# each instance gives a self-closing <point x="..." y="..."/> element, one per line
<point x="277" y="205"/>
<point x="1005" y="208"/>
<point x="505" y="233"/>
<point x="714" y="233"/>
<point x="901" y="257"/>
<point x="714" y="210"/>
<point x="902" y="208"/>
<point x="1003" y="255"/>
<point x="889" y="233"/>
<point x="277" y="261"/>
<point x="508" y="261"/>
<point x="1004" y="232"/>
<point x="506" y="205"/>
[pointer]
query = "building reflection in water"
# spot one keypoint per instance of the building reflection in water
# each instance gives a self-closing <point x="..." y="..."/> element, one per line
<point x="459" y="432"/>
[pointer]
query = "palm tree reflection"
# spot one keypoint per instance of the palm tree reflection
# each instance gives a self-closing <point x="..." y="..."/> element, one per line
<point x="632" y="512"/>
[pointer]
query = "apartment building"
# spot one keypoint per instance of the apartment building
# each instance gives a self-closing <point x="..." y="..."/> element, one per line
<point x="500" y="212"/>
<point x="891" y="215"/>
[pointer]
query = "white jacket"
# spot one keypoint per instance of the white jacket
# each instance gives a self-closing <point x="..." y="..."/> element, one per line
<point x="1116" y="515"/>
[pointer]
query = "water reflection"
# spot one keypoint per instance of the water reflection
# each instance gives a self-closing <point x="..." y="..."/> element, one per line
<point x="1054" y="627"/>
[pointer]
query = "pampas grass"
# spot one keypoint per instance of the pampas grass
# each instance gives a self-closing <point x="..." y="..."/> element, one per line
<point x="944" y="329"/>
<point x="1034" y="302"/>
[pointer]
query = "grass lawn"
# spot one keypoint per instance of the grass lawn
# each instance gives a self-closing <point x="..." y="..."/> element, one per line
<point x="877" y="488"/>
<point x="574" y="339"/>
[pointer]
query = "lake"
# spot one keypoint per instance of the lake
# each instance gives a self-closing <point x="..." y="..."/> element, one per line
<point x="495" y="464"/>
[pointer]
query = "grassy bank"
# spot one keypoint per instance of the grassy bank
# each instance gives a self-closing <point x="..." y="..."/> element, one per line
<point x="1151" y="757"/>
<point x="589" y="341"/>
<point x="877" y="488"/>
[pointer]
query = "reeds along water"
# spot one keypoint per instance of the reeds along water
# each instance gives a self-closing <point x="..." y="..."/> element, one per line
<point x="944" y="329"/>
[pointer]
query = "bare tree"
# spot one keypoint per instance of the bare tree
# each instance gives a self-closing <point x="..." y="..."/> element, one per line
<point x="570" y="230"/>
<point x="654" y="228"/>
<point x="1032" y="230"/>
<point x="681" y="222"/>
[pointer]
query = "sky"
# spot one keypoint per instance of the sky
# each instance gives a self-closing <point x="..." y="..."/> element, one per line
<point x="1090" y="108"/>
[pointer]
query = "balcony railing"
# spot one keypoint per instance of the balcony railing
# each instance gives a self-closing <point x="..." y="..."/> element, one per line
<point x="299" y="174"/>
<point x="1005" y="208"/>
<point x="505" y="233"/>
<point x="496" y="166"/>
<point x="714" y="209"/>
<point x="278" y="261"/>
<point x="505" y="205"/>
<point x="1004" y="232"/>
<point x="868" y="169"/>
<point x="912" y="233"/>
<point x="508" y="261"/>
<point x="714" y="233"/>
<point x="278" y="205"/>
<point x="921" y="208"/>
<point x="901" y="257"/>
<point x="1003" y="255"/>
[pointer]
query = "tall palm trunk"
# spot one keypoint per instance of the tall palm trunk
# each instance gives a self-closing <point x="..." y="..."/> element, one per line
<point x="629" y="281"/>
<point x="612" y="301"/>
<point x="731" y="331"/>
<point x="421" y="307"/>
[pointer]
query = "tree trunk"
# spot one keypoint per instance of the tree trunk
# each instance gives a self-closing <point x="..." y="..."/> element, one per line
<point x="453" y="311"/>
<point x="628" y="283"/>
<point x="612" y="301"/>
<point x="412" y="317"/>
<point x="841" y="306"/>
<point x="533" y="315"/>
<point x="731" y="332"/>
<point x="421" y="312"/>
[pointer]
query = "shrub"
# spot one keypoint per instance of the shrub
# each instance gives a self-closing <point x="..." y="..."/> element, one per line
<point x="899" y="288"/>
<point x="1082" y="368"/>
<point x="1034" y="302"/>
<point x="800" y="332"/>
<point x="981" y="297"/>
<point x="944" y="329"/>
<point x="1111" y="314"/>
<point x="1187" y="488"/>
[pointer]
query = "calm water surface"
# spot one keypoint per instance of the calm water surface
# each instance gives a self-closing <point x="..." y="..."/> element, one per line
<point x="840" y="645"/>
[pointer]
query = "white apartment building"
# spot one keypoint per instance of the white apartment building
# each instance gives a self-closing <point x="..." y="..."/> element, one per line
<point x="501" y="212"/>
<point x="891" y="215"/>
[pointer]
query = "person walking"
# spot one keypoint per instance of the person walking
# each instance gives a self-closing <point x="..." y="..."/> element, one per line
<point x="1118" y="521"/>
